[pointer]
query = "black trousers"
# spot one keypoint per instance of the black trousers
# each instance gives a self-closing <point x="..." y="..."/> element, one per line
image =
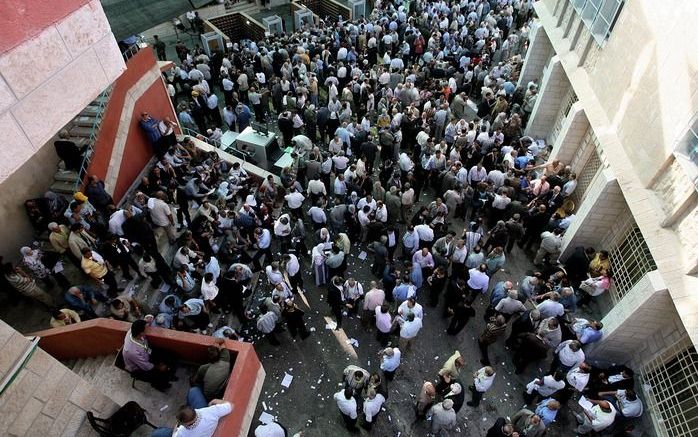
<point x="477" y="397"/>
<point x="258" y="256"/>
<point x="296" y="282"/>
<point x="110" y="280"/>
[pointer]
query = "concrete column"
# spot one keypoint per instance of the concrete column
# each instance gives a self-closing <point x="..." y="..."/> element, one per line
<point x="635" y="328"/>
<point x="571" y="134"/>
<point x="554" y="87"/>
<point x="540" y="50"/>
<point x="603" y="203"/>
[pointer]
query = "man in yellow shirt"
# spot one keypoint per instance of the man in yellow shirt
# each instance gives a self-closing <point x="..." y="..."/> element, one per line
<point x="64" y="317"/>
<point x="95" y="267"/>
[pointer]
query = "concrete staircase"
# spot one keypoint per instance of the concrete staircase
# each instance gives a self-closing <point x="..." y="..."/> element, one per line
<point x="116" y="384"/>
<point x="81" y="133"/>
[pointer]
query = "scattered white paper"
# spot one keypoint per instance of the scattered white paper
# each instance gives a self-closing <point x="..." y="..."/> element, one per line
<point x="164" y="408"/>
<point x="363" y="255"/>
<point x="264" y="405"/>
<point x="352" y="341"/>
<point x="286" y="382"/>
<point x="266" y="418"/>
<point x="584" y="403"/>
<point x="58" y="267"/>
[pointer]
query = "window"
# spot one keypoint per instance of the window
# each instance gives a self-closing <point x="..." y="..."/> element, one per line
<point x="630" y="257"/>
<point x="686" y="152"/>
<point x="599" y="16"/>
<point x="671" y="390"/>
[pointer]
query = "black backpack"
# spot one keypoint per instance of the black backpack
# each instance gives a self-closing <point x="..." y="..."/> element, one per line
<point x="122" y="423"/>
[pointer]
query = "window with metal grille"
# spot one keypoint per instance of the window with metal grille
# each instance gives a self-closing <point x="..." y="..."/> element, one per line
<point x="569" y="100"/>
<point x="671" y="390"/>
<point x="599" y="16"/>
<point x="584" y="178"/>
<point x="630" y="257"/>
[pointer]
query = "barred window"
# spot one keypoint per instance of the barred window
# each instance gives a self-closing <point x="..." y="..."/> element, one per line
<point x="671" y="390"/>
<point x="630" y="257"/>
<point x="599" y="16"/>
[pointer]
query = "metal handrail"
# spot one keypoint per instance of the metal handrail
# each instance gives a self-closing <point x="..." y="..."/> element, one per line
<point x="102" y="101"/>
<point x="215" y="143"/>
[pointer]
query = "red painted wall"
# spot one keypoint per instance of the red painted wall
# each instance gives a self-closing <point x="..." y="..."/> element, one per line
<point x="21" y="20"/>
<point x="137" y="151"/>
<point x="105" y="336"/>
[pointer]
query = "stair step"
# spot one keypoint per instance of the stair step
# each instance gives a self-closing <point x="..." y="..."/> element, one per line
<point x="77" y="368"/>
<point x="90" y="111"/>
<point x="84" y="120"/>
<point x="100" y="99"/>
<point x="81" y="142"/>
<point x="80" y="131"/>
<point x="62" y="187"/>
<point x="66" y="176"/>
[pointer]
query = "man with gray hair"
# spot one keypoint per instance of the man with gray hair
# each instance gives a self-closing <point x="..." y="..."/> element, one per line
<point x="443" y="417"/>
<point x="510" y="305"/>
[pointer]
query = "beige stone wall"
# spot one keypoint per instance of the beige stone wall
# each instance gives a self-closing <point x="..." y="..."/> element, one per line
<point x="45" y="398"/>
<point x="639" y="89"/>
<point x="47" y="80"/>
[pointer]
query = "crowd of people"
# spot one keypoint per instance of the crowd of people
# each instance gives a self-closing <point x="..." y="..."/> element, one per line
<point x="408" y="148"/>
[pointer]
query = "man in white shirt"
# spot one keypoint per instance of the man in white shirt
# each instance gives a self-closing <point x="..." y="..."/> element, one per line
<point x="578" y="378"/>
<point x="294" y="199"/>
<point x="478" y="283"/>
<point x="410" y="306"/>
<point x="545" y="387"/>
<point x="372" y="406"/>
<point x="597" y="418"/>
<point x="477" y="174"/>
<point x="271" y="429"/>
<point x="347" y="406"/>
<point x="482" y="381"/>
<point x="409" y="328"/>
<point x="201" y="422"/>
<point x="627" y="403"/>
<point x="390" y="361"/>
<point x="318" y="216"/>
<point x="568" y="355"/>
<point x="425" y="234"/>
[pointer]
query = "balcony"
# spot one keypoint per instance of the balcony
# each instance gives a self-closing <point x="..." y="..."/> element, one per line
<point x="89" y="347"/>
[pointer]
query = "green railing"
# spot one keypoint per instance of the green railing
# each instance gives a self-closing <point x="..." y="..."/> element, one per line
<point x="101" y="101"/>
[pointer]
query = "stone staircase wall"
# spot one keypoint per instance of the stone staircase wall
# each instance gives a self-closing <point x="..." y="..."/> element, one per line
<point x="45" y="398"/>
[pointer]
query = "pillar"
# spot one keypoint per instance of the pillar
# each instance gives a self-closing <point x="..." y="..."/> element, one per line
<point x="540" y="50"/>
<point x="553" y="88"/>
<point x="571" y="134"/>
<point x="602" y="204"/>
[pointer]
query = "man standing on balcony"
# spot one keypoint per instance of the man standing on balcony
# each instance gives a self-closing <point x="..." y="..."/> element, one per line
<point x="200" y="422"/>
<point x="144" y="363"/>
<point x="159" y="48"/>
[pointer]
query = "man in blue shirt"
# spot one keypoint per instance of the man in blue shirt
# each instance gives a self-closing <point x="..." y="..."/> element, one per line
<point x="547" y="410"/>
<point x="81" y="298"/>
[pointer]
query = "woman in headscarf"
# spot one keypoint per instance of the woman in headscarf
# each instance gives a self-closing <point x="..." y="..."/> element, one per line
<point x="319" y="267"/>
<point x="193" y="316"/>
<point x="32" y="261"/>
<point x="224" y="194"/>
<point x="457" y="395"/>
<point x="26" y="285"/>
